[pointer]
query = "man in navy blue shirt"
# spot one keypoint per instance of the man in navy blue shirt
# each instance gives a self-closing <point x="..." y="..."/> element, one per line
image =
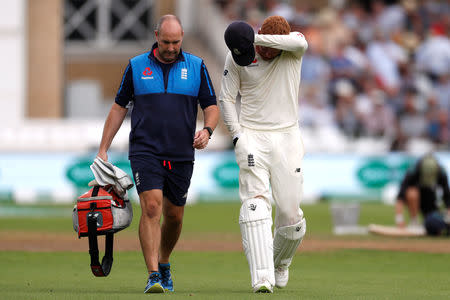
<point x="164" y="87"/>
<point x="419" y="192"/>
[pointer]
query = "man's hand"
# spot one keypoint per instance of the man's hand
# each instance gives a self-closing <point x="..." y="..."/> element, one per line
<point x="201" y="139"/>
<point x="103" y="155"/>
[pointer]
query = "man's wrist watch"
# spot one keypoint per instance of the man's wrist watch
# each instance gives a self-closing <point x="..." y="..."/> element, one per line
<point x="209" y="129"/>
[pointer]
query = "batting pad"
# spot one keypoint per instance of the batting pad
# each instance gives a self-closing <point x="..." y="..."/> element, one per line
<point x="286" y="241"/>
<point x="255" y="220"/>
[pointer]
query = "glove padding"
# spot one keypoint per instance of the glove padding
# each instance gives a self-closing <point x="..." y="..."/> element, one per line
<point x="106" y="173"/>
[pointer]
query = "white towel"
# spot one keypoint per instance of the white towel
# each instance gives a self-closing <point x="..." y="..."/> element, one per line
<point x="106" y="173"/>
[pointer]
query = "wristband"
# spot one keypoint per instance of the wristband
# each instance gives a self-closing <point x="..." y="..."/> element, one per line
<point x="210" y="131"/>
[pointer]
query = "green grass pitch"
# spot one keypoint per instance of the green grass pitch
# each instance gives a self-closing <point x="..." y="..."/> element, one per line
<point x="334" y="274"/>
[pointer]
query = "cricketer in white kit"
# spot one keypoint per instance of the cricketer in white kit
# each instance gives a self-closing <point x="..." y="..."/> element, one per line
<point x="268" y="145"/>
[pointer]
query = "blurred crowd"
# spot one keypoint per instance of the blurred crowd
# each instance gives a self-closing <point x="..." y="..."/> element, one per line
<point x="375" y="68"/>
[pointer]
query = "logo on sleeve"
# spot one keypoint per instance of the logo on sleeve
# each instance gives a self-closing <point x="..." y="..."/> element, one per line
<point x="225" y="73"/>
<point x="147" y="74"/>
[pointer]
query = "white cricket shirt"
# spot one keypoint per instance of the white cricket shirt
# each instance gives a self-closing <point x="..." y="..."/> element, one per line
<point x="268" y="89"/>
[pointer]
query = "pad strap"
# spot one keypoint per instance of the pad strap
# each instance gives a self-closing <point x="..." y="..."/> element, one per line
<point x="97" y="269"/>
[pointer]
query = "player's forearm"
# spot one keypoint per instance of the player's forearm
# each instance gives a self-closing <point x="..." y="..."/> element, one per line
<point x="211" y="116"/>
<point x="230" y="117"/>
<point x="293" y="42"/>
<point x="112" y="124"/>
<point x="227" y="99"/>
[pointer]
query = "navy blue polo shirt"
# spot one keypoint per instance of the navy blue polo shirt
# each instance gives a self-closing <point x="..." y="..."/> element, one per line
<point x="165" y="102"/>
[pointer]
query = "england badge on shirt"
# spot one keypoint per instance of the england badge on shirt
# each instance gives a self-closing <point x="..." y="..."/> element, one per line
<point x="184" y="73"/>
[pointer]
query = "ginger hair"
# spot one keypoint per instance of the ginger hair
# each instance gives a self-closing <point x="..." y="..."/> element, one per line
<point x="275" y="25"/>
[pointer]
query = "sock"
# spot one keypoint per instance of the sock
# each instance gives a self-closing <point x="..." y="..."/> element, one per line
<point x="164" y="266"/>
<point x="414" y="221"/>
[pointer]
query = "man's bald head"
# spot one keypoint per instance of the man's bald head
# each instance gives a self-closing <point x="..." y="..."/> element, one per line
<point x="169" y="36"/>
<point x="168" y="21"/>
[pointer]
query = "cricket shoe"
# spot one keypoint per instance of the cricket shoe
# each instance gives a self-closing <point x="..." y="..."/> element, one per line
<point x="166" y="277"/>
<point x="263" y="287"/>
<point x="154" y="284"/>
<point x="281" y="276"/>
<point x="416" y="229"/>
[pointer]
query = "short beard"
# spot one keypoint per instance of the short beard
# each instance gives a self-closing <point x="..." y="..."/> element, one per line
<point x="168" y="60"/>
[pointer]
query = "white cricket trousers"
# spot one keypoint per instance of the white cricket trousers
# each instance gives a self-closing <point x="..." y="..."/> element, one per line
<point x="271" y="161"/>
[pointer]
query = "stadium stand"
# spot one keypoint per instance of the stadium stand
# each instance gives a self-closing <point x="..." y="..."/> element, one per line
<point x="378" y="72"/>
<point x="376" y="76"/>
